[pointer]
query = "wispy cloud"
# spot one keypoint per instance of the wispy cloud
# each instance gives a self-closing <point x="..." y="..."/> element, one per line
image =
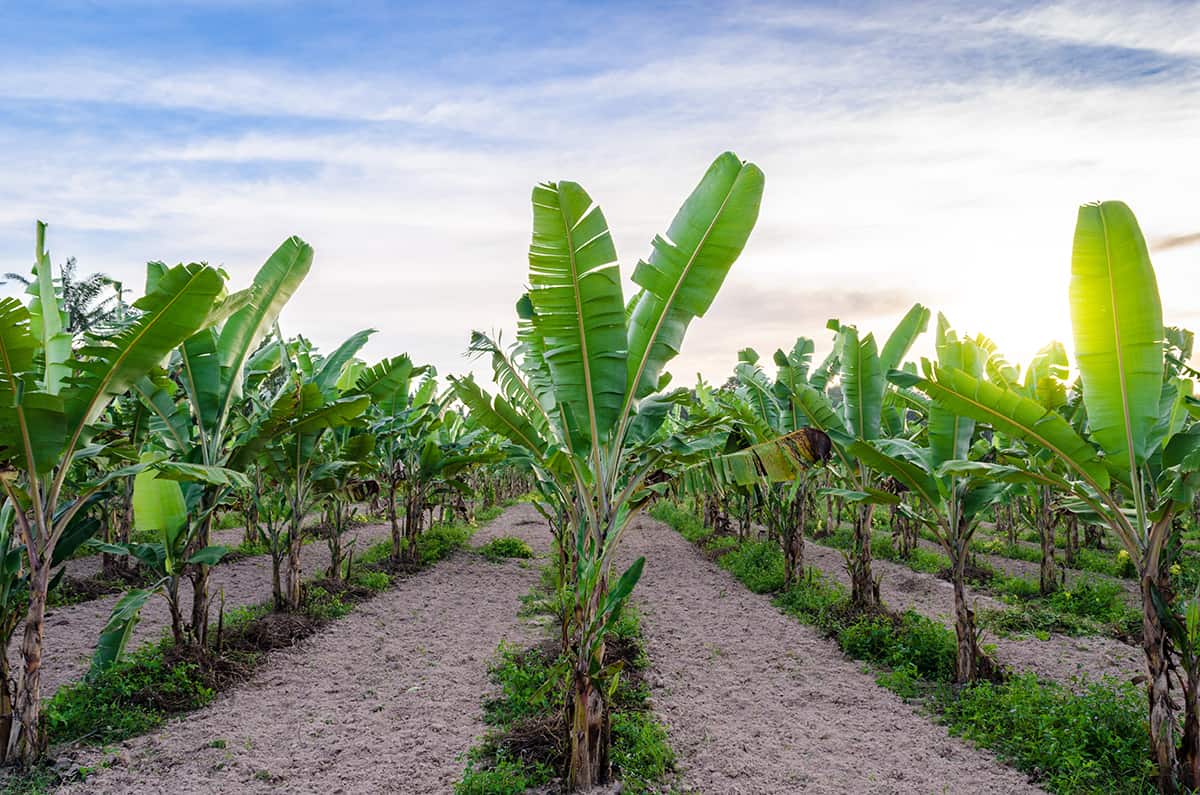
<point x="915" y="153"/>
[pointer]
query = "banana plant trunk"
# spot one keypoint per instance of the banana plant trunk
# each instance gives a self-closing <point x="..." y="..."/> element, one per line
<point x="200" y="573"/>
<point x="1072" y="547"/>
<point x="295" y="574"/>
<point x="172" y="592"/>
<point x="1048" y="574"/>
<point x="335" y="555"/>
<point x="1158" y="668"/>
<point x="590" y="730"/>
<point x="414" y="518"/>
<point x="29" y="740"/>
<point x="864" y="591"/>
<point x="393" y="520"/>
<point x="6" y="685"/>
<point x="902" y="540"/>
<point x="967" y="649"/>
<point x="587" y="715"/>
<point x="1189" y="757"/>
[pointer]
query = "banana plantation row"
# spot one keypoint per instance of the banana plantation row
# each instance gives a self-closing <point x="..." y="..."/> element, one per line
<point x="191" y="402"/>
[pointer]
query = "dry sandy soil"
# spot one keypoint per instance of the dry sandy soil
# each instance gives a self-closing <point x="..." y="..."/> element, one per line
<point x="385" y="699"/>
<point x="71" y="632"/>
<point x="756" y="702"/>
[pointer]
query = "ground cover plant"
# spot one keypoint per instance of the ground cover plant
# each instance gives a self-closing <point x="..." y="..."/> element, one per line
<point x="524" y="746"/>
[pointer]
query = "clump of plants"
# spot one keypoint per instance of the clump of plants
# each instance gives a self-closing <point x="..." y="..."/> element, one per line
<point x="506" y="547"/>
<point x="525" y="749"/>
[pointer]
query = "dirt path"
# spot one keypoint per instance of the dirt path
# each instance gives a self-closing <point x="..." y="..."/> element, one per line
<point x="383" y="700"/>
<point x="1060" y="658"/>
<point x="72" y="631"/>
<point x="758" y="703"/>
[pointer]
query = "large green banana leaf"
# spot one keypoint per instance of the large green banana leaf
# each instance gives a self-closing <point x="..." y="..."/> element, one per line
<point x="1012" y="414"/>
<point x="901" y="340"/>
<point x="274" y="284"/>
<point x="499" y="416"/>
<point x="1117" y="317"/>
<point x="914" y="477"/>
<point x="331" y="367"/>
<point x="385" y="379"/>
<point x="578" y="311"/>
<point x="180" y="305"/>
<point x="686" y="269"/>
<point x="32" y="424"/>
<point x="950" y="431"/>
<point x="862" y="383"/>
<point x="48" y="323"/>
<point x="513" y="382"/>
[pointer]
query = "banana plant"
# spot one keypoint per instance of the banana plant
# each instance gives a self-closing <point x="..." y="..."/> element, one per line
<point x="761" y="411"/>
<point x="200" y="425"/>
<point x="14" y="591"/>
<point x="950" y="490"/>
<point x="397" y="416"/>
<point x="345" y="456"/>
<point x="52" y="394"/>
<point x="284" y="439"/>
<point x="581" y="394"/>
<point x="160" y="507"/>
<point x="1139" y="462"/>
<point x="859" y="417"/>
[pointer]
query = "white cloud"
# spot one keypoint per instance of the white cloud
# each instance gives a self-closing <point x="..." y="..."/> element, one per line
<point x="1167" y="27"/>
<point x="959" y="191"/>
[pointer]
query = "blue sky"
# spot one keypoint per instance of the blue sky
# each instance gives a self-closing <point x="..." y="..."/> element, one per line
<point x="924" y="151"/>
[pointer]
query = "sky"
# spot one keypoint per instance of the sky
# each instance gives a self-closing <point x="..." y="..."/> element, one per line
<point x="933" y="152"/>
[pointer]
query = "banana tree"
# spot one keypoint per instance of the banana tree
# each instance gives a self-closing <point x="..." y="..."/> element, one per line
<point x="1046" y="382"/>
<point x="585" y="394"/>
<point x="160" y="507"/>
<point x="52" y="395"/>
<point x="345" y="456"/>
<point x="398" y="418"/>
<point x="951" y="493"/>
<point x="1138" y="464"/>
<point x="284" y="440"/>
<point x="212" y="366"/>
<point x="862" y="370"/>
<point x="14" y="593"/>
<point x="761" y="410"/>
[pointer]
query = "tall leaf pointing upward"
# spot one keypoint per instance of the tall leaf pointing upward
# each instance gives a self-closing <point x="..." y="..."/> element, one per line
<point x="274" y="284"/>
<point x="1117" y="317"/>
<point x="687" y="268"/>
<point x="575" y="290"/>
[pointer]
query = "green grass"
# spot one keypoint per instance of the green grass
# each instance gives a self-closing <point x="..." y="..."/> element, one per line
<point x="1072" y="744"/>
<point x="1094" y="741"/>
<point x="758" y="564"/>
<point x="130" y="698"/>
<point x="506" y="547"/>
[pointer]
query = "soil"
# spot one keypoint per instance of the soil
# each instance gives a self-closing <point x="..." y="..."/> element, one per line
<point x="72" y="630"/>
<point x="385" y="699"/>
<point x="756" y="702"/>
